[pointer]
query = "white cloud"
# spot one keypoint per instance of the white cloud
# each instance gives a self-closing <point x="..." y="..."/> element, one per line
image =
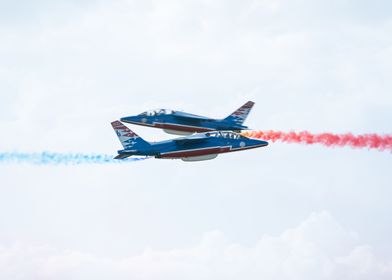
<point x="318" y="248"/>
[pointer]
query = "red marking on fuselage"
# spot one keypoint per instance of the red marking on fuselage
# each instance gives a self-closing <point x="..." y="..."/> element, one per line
<point x="182" y="127"/>
<point x="206" y="151"/>
<point x="193" y="153"/>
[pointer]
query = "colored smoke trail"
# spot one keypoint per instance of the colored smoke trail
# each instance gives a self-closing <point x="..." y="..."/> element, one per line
<point x="370" y="141"/>
<point x="49" y="158"/>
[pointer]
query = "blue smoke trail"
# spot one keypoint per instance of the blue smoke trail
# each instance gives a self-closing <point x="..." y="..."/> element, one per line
<point x="50" y="158"/>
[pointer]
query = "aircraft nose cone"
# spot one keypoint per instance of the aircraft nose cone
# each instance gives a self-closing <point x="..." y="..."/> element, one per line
<point x="265" y="143"/>
<point x="260" y="143"/>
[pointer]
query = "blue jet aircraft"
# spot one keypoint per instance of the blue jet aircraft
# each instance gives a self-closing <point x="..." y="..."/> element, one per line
<point x="181" y="123"/>
<point x="199" y="146"/>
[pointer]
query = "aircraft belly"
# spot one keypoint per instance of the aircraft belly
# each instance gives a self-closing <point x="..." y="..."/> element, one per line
<point x="177" y="132"/>
<point x="200" y="158"/>
<point x="195" y="152"/>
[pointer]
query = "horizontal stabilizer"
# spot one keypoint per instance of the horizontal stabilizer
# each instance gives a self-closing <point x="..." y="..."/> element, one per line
<point x="122" y="156"/>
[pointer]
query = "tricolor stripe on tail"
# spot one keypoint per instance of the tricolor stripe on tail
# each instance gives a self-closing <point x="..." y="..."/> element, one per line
<point x="129" y="139"/>
<point x="239" y="116"/>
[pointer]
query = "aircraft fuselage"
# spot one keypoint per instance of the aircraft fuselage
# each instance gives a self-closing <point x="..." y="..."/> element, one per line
<point x="197" y="147"/>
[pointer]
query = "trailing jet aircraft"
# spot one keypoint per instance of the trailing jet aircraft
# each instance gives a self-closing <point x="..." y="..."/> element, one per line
<point x="199" y="146"/>
<point x="181" y="123"/>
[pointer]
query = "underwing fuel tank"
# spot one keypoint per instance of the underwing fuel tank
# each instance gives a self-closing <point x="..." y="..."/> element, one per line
<point x="200" y="158"/>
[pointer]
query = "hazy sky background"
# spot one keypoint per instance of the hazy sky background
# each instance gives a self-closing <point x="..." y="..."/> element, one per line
<point x="69" y="68"/>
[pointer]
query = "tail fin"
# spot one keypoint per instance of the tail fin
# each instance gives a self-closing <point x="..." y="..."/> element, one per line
<point x="128" y="138"/>
<point x="239" y="116"/>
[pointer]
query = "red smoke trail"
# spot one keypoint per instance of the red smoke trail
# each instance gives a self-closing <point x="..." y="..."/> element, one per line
<point x="370" y="141"/>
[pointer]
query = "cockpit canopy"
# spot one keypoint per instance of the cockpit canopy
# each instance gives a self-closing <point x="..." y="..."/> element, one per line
<point x="157" y="112"/>
<point x="224" y="134"/>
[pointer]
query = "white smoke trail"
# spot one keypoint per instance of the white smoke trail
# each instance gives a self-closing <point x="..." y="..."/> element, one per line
<point x="50" y="158"/>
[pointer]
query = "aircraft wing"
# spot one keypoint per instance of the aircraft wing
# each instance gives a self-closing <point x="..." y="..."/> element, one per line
<point x="190" y="117"/>
<point x="191" y="139"/>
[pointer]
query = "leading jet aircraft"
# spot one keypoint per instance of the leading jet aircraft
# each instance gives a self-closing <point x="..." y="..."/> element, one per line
<point x="197" y="147"/>
<point x="181" y="123"/>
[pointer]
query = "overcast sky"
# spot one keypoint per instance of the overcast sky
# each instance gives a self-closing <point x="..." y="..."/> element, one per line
<point x="69" y="68"/>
